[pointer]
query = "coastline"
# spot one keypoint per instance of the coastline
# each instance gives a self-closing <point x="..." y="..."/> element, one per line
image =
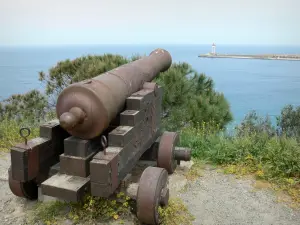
<point x="289" y="57"/>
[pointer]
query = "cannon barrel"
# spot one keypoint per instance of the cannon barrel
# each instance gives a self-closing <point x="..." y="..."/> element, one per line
<point x="86" y="108"/>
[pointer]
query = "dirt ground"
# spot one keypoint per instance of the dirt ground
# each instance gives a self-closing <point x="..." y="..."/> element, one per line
<point x="214" y="199"/>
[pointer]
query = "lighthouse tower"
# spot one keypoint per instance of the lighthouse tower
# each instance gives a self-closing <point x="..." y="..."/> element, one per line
<point x="213" y="49"/>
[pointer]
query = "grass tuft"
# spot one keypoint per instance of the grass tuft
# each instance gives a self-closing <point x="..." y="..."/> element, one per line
<point x="9" y="133"/>
<point x="195" y="171"/>
<point x="176" y="213"/>
<point x="91" y="209"/>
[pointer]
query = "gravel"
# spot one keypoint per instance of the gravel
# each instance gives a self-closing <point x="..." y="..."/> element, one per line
<point x="216" y="199"/>
<point x="213" y="199"/>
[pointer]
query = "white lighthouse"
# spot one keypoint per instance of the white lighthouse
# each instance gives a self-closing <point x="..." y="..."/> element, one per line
<point x="213" y="49"/>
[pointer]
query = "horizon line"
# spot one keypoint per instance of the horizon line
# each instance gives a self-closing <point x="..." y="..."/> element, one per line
<point x="138" y="44"/>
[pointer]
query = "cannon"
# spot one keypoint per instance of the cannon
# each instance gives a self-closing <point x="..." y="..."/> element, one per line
<point x="104" y="127"/>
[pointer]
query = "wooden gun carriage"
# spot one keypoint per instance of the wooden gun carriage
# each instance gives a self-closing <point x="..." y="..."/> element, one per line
<point x="105" y="126"/>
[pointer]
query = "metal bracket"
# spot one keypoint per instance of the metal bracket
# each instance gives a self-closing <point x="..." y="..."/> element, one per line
<point x="104" y="144"/>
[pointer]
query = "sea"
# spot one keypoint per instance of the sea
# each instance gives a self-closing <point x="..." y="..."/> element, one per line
<point x="248" y="84"/>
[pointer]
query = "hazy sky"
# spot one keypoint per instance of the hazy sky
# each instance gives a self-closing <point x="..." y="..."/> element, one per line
<point x="38" y="22"/>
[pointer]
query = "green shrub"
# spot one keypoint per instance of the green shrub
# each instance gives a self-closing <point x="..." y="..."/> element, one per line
<point x="31" y="107"/>
<point x="277" y="156"/>
<point x="9" y="132"/>
<point x="289" y="121"/>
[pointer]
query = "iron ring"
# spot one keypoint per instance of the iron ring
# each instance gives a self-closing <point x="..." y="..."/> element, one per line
<point x="22" y="132"/>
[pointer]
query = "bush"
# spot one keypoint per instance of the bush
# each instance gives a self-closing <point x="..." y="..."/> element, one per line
<point x="253" y="123"/>
<point x="276" y="156"/>
<point x="190" y="98"/>
<point x="289" y="121"/>
<point x="9" y="133"/>
<point x="31" y="107"/>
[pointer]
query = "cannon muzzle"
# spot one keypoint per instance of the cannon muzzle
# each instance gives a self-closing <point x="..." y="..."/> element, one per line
<point x="86" y="108"/>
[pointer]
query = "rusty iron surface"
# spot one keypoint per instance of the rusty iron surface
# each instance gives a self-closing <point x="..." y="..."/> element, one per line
<point x="86" y="108"/>
<point x="152" y="187"/>
<point x="183" y="154"/>
<point x="27" y="189"/>
<point x="166" y="151"/>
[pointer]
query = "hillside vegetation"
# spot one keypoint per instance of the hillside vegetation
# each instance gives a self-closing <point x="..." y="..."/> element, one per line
<point x="192" y="107"/>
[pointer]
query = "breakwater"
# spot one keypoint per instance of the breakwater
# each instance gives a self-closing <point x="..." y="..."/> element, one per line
<point x="291" y="57"/>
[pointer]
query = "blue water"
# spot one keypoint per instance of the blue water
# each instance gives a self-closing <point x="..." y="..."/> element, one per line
<point x="248" y="84"/>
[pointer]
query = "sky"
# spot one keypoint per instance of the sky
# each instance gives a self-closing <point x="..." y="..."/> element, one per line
<point x="61" y="22"/>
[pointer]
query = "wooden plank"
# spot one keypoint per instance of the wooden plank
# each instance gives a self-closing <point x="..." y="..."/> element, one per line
<point x="67" y="187"/>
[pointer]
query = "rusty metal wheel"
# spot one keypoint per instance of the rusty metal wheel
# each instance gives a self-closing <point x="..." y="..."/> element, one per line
<point x="152" y="192"/>
<point x="27" y="190"/>
<point x="166" y="151"/>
